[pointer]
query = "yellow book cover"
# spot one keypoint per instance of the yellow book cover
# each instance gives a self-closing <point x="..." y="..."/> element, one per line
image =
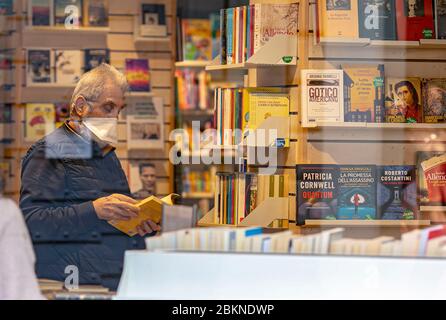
<point x="150" y="209"/>
<point x="338" y="18"/>
<point x="40" y="120"/>
<point x="263" y="105"/>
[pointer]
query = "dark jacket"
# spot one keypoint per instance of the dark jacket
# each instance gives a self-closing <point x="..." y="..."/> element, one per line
<point x="61" y="175"/>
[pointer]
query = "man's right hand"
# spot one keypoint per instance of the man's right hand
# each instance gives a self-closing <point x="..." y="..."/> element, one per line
<point x="116" y="207"/>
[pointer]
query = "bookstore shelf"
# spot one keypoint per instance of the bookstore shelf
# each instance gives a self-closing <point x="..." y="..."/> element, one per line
<point x="149" y="40"/>
<point x="192" y="64"/>
<point x="365" y="42"/>
<point x="198" y="195"/>
<point x="374" y="125"/>
<point x="367" y="223"/>
<point x="65" y="31"/>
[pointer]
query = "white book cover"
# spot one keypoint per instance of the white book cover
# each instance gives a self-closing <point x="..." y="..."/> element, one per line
<point x="322" y="97"/>
<point x="68" y="66"/>
<point x="147" y="131"/>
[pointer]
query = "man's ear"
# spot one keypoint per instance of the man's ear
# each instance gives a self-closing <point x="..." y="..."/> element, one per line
<point x="80" y="107"/>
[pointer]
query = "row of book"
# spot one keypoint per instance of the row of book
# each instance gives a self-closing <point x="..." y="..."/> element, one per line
<point x="193" y="89"/>
<point x="199" y="40"/>
<point x="197" y="181"/>
<point x="144" y="120"/>
<point x="362" y="93"/>
<point x="245" y="30"/>
<point x="64" y="67"/>
<point x="238" y="194"/>
<point x="428" y="242"/>
<point x="238" y="110"/>
<point x="75" y="13"/>
<point x="381" y="20"/>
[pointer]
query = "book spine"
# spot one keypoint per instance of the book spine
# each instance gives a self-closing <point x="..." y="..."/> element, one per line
<point x="237" y="34"/>
<point x="223" y="36"/>
<point x="257" y="27"/>
<point x="229" y="35"/>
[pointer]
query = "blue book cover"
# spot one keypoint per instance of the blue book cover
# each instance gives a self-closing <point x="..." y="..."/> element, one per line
<point x="397" y="192"/>
<point x="6" y="7"/>
<point x="317" y="191"/>
<point x="377" y="19"/>
<point x="39" y="66"/>
<point x="153" y="14"/>
<point x="229" y="35"/>
<point x="94" y="57"/>
<point x="357" y="192"/>
<point x="60" y="16"/>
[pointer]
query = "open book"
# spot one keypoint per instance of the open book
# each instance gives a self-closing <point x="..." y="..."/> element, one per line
<point x="150" y="209"/>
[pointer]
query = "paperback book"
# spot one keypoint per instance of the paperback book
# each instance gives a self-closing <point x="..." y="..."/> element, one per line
<point x="377" y="19"/>
<point x="403" y="101"/>
<point x="337" y="19"/>
<point x="68" y="66"/>
<point x="153" y="20"/>
<point x="322" y="96"/>
<point x="434" y="96"/>
<point x="317" y="192"/>
<point x="40" y="120"/>
<point x="68" y="12"/>
<point x="397" y="193"/>
<point x="415" y="20"/>
<point x="96" y="13"/>
<point x="94" y="57"/>
<point x="357" y="192"/>
<point x="364" y="93"/>
<point x="40" y="12"/>
<point x="39" y="67"/>
<point x="6" y="9"/>
<point x="431" y="167"/>
<point x="137" y="73"/>
<point x="197" y="41"/>
<point x="440" y="19"/>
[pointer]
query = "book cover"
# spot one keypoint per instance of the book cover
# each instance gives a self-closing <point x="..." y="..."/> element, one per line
<point x="6" y="7"/>
<point x="197" y="42"/>
<point x="96" y="13"/>
<point x="72" y="16"/>
<point x="5" y="112"/>
<point x="39" y="65"/>
<point x="62" y="112"/>
<point x="434" y="100"/>
<point x="223" y="36"/>
<point x="137" y="73"/>
<point x="142" y="178"/>
<point x="415" y="20"/>
<point x="94" y="57"/>
<point x="377" y="19"/>
<point x="363" y="93"/>
<point x="230" y="35"/>
<point x="397" y="193"/>
<point x="431" y="171"/>
<point x="40" y="120"/>
<point x="68" y="66"/>
<point x="153" y="20"/>
<point x="338" y="19"/>
<point x="274" y="19"/>
<point x="322" y="95"/>
<point x="40" y="12"/>
<point x="150" y="209"/>
<point x="357" y="192"/>
<point x="5" y="69"/>
<point x="147" y="131"/>
<point x="403" y="101"/>
<point x="263" y="105"/>
<point x="317" y="192"/>
<point x="215" y="34"/>
<point x="440" y="19"/>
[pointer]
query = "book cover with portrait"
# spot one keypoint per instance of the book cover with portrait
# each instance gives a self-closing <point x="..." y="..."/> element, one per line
<point x="403" y="100"/>
<point x="415" y="20"/>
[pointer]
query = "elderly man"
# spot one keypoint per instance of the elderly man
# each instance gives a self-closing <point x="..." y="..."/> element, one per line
<point x="73" y="183"/>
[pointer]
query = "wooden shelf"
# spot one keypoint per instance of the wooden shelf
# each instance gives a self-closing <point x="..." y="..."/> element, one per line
<point x="360" y="42"/>
<point x="244" y="66"/>
<point x="433" y="43"/>
<point x="367" y="223"/>
<point x="192" y="64"/>
<point x="376" y="125"/>
<point x="136" y="94"/>
<point x="433" y="208"/>
<point x="51" y="85"/>
<point x="394" y="44"/>
<point x="198" y="195"/>
<point x="197" y="112"/>
<point x="57" y="29"/>
<point x="143" y="40"/>
<point x="363" y="42"/>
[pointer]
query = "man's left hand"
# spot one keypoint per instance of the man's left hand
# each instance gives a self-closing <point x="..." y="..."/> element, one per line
<point x="147" y="227"/>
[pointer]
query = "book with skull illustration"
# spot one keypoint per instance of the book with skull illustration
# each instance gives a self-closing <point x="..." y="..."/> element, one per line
<point x="377" y="19"/>
<point x="415" y="20"/>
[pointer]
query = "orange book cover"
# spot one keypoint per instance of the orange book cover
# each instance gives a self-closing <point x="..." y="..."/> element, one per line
<point x="338" y="18"/>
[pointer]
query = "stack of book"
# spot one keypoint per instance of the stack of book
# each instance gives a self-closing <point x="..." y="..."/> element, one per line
<point x="429" y="242"/>
<point x="193" y="89"/>
<point x="238" y="194"/>
<point x="236" y="111"/>
<point x="245" y="30"/>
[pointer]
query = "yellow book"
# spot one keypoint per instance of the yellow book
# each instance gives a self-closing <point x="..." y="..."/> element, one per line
<point x="338" y="19"/>
<point x="40" y="120"/>
<point x="150" y="209"/>
<point x="263" y="105"/>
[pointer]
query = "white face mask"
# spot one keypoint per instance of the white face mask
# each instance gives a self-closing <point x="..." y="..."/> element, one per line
<point x="105" y="129"/>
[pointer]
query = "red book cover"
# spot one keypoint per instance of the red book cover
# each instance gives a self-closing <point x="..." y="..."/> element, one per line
<point x="251" y="31"/>
<point x="415" y="20"/>
<point x="240" y="35"/>
<point x="435" y="176"/>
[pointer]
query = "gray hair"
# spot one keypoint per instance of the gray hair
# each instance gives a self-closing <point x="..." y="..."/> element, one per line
<point x="91" y="85"/>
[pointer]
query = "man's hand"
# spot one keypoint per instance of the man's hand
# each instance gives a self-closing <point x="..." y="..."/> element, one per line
<point x="116" y="207"/>
<point x="147" y="227"/>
